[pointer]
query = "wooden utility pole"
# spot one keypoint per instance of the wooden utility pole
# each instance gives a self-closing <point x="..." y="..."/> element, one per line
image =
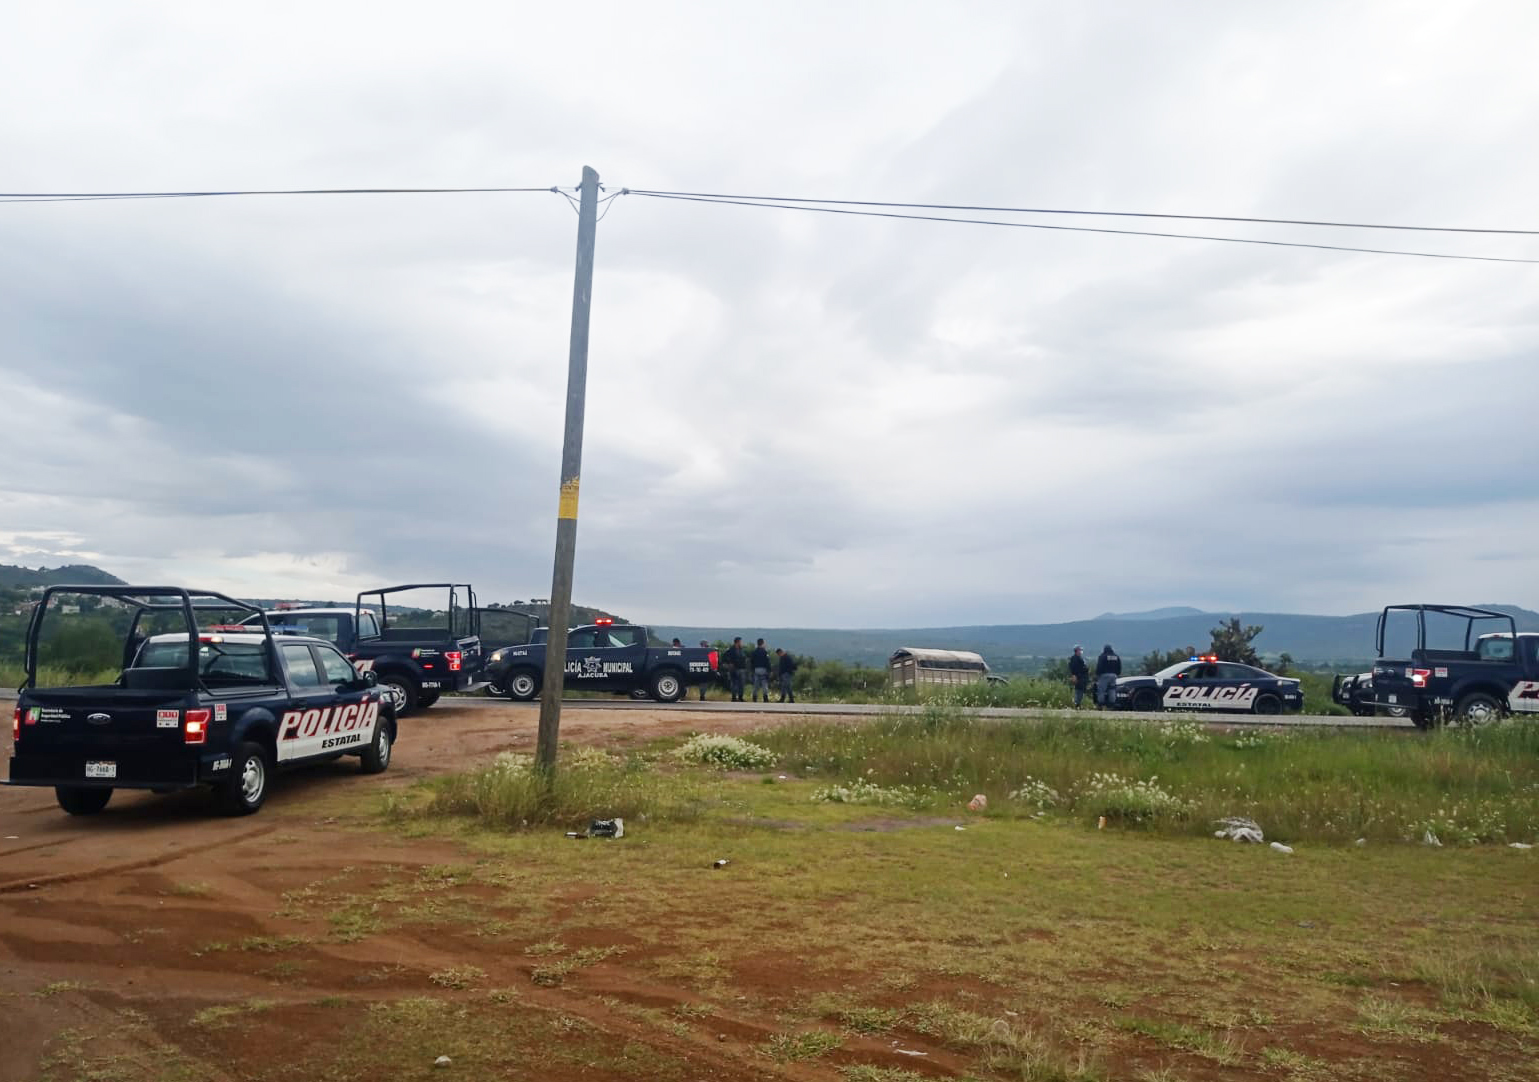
<point x="571" y="468"/>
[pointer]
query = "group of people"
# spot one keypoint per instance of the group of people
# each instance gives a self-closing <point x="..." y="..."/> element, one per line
<point x="1107" y="668"/>
<point x="737" y="662"/>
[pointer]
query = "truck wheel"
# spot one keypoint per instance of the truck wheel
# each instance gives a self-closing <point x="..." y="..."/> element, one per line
<point x="401" y="692"/>
<point x="376" y="757"/>
<point x="1478" y="708"/>
<point x="428" y="698"/>
<point x="245" y="790"/>
<point x="1146" y="700"/>
<point x="1267" y="704"/>
<point x="667" y="686"/>
<point x="523" y="686"/>
<point x="78" y="800"/>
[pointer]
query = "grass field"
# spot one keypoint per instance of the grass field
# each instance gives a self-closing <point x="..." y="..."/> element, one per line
<point x="864" y="909"/>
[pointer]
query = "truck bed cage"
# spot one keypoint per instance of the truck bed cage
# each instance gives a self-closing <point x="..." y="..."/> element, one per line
<point x="143" y="599"/>
<point x="1468" y="613"/>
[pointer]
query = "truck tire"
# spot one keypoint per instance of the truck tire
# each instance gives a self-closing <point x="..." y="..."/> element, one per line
<point x="667" y="686"/>
<point x="375" y="758"/>
<point x="245" y="790"/>
<point x="523" y="685"/>
<point x="1146" y="699"/>
<point x="401" y="691"/>
<point x="1267" y="704"/>
<point x="427" y="699"/>
<point x="79" y="800"/>
<point x="1478" y="708"/>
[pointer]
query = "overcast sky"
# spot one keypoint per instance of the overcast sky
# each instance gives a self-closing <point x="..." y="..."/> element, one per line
<point x="794" y="419"/>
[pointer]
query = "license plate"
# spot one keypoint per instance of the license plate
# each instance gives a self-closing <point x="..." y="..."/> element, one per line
<point x="101" y="770"/>
<point x="1393" y="699"/>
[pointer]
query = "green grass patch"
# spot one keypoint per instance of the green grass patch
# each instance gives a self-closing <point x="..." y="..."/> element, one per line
<point x="512" y="792"/>
<point x="1467" y="786"/>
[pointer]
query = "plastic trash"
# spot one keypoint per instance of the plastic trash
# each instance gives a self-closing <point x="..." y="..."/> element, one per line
<point x="720" y="863"/>
<point x="442" y="1061"/>
<point x="1430" y="838"/>
<point x="1100" y="823"/>
<point x="1281" y="848"/>
<point x="1519" y="845"/>
<point x="578" y="834"/>
<point x="1361" y="841"/>
<point x="1237" y="829"/>
<point x="978" y="803"/>
<point x="607" y="828"/>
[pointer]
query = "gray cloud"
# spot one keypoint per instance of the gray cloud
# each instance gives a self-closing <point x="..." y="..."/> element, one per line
<point x="793" y="418"/>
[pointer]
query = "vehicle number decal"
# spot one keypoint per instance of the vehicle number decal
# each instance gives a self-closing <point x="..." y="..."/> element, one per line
<point x="1194" y="697"/>
<point x="1524" y="697"/>
<point x="168" y="719"/>
<point x="309" y="732"/>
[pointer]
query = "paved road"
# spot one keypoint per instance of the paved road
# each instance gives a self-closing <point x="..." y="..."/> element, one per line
<point x="711" y="706"/>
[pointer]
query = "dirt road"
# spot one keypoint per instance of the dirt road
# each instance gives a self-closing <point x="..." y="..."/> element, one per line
<point x="122" y="916"/>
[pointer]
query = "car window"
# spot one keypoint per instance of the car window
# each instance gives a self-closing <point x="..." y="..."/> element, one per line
<point x="1228" y="670"/>
<point x="581" y="639"/>
<point x="368" y="627"/>
<point x="231" y="663"/>
<point x="1495" y="650"/>
<point x="162" y="655"/>
<point x="301" y="666"/>
<point x="338" y="669"/>
<point x="625" y="636"/>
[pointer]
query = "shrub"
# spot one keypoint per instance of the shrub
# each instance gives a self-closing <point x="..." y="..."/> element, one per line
<point x="726" y="752"/>
<point x="1037" y="793"/>
<point x="861" y="791"/>
<point x="1129" y="801"/>
<point x="513" y="793"/>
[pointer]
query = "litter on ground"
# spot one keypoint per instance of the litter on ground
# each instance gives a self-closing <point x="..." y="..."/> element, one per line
<point x="1237" y="829"/>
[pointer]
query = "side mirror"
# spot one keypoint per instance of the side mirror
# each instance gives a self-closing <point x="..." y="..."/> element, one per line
<point x="369" y="679"/>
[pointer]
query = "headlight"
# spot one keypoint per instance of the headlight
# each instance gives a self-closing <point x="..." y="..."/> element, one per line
<point x="497" y="656"/>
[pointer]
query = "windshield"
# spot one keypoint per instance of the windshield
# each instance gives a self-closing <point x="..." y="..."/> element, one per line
<point x="1170" y="672"/>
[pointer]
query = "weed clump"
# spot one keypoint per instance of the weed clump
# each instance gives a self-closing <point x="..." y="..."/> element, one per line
<point x="587" y="785"/>
<point x="861" y="791"/>
<point x="726" y="752"/>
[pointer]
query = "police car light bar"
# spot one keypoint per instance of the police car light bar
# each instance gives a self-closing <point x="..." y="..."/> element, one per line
<point x="604" y="621"/>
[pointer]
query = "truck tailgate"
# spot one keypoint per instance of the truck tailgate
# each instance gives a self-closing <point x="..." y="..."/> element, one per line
<point x="100" y="734"/>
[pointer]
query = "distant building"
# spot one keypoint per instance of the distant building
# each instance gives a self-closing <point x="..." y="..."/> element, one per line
<point x="912" y="666"/>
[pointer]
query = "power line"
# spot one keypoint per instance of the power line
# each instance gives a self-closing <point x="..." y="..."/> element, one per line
<point x="1090" y="213"/>
<point x="1074" y="228"/>
<point x="78" y="197"/>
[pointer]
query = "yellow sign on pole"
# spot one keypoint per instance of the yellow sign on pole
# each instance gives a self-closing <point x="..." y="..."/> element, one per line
<point x="568" y="508"/>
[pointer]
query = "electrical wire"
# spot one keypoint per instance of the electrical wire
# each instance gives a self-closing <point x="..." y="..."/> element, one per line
<point x="1075" y="228"/>
<point x="1091" y="213"/>
<point x="78" y="197"/>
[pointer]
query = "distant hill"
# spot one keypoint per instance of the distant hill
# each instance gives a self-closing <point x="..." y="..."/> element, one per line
<point x="25" y="578"/>
<point x="1340" y="640"/>
<point x="1153" y="614"/>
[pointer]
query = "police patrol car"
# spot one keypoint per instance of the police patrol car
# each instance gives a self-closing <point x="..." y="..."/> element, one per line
<point x="218" y="706"/>
<point x="1207" y="684"/>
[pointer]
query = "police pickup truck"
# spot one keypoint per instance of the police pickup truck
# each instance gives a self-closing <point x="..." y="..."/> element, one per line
<point x="1481" y="668"/>
<point x="213" y="704"/>
<point x="414" y="665"/>
<point x="604" y="656"/>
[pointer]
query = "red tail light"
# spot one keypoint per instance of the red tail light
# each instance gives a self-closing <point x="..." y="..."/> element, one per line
<point x="16" y="724"/>
<point x="453" y="658"/>
<point x="1419" y="677"/>
<point x="195" y="726"/>
<point x="714" y="658"/>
